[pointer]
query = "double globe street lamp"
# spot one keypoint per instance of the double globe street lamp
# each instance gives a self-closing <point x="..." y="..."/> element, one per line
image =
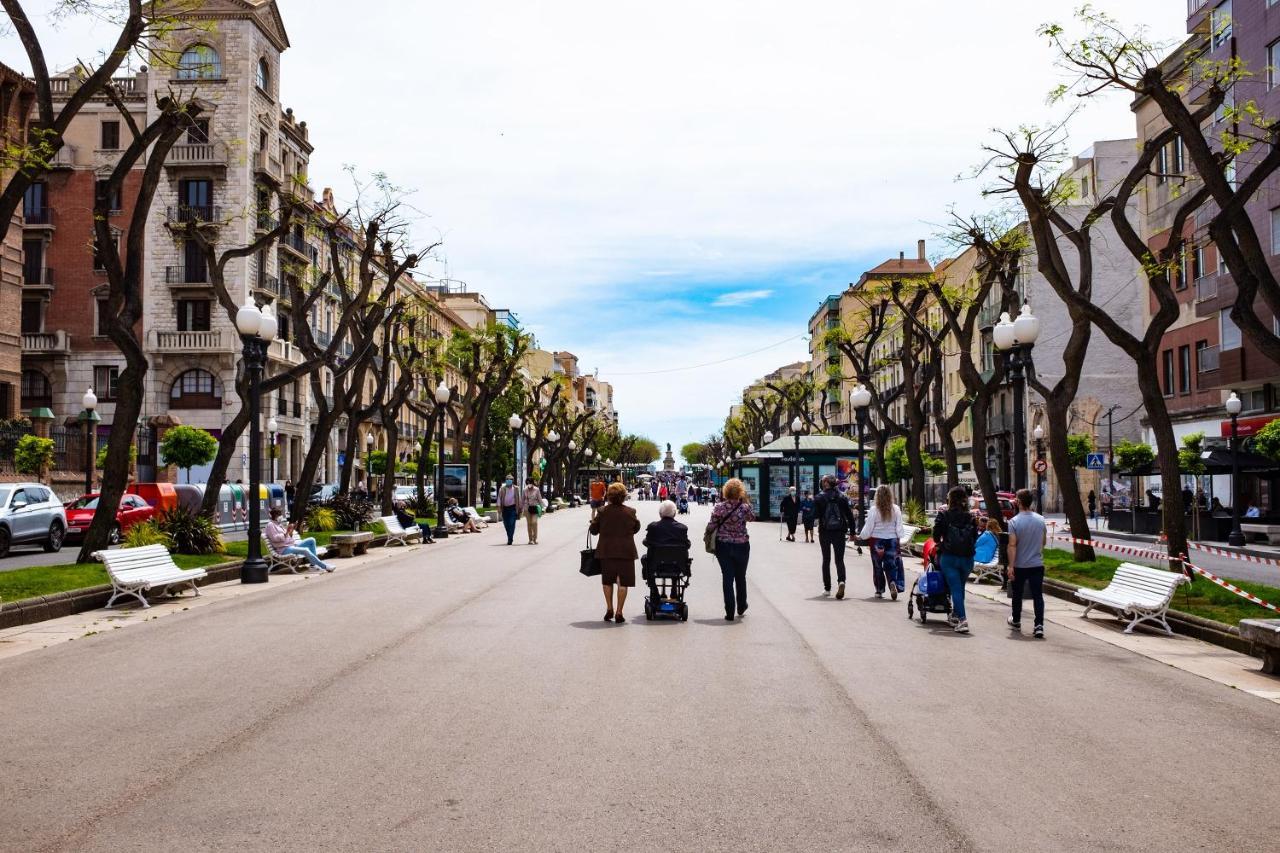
<point x="1234" y="405"/>
<point x="1015" y="339"/>
<point x="257" y="327"/>
<point x="442" y="395"/>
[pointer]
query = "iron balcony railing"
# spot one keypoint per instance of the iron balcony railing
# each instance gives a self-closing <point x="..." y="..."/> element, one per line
<point x="1206" y="288"/>
<point x="37" y="215"/>
<point x="186" y="274"/>
<point x="42" y="276"/>
<point x="194" y="213"/>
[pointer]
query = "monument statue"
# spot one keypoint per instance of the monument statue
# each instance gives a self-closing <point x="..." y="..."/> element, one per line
<point x="669" y="462"/>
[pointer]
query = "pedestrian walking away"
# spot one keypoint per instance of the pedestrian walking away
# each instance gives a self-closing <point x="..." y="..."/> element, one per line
<point x="883" y="531"/>
<point x="1027" y="536"/>
<point x="1093" y="505"/>
<point x="956" y="533"/>
<point x="617" y="526"/>
<point x="806" y="515"/>
<point x="509" y="504"/>
<point x="732" y="545"/>
<point x="532" y="500"/>
<point x="835" y="520"/>
<point x="789" y="508"/>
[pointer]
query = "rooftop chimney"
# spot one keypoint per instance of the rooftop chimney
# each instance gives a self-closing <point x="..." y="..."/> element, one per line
<point x="920" y="249"/>
<point x="902" y="256"/>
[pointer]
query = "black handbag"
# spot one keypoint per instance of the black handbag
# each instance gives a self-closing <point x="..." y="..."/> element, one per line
<point x="590" y="566"/>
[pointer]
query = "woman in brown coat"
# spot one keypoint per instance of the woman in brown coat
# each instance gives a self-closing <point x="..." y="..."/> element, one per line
<point x="617" y="526"/>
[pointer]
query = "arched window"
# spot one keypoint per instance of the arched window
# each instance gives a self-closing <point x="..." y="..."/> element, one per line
<point x="36" y="390"/>
<point x="264" y="75"/>
<point x="196" y="389"/>
<point x="199" y="62"/>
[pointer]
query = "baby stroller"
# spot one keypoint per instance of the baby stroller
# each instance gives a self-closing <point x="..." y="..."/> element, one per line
<point x="682" y="505"/>
<point x="929" y="593"/>
<point x="667" y="569"/>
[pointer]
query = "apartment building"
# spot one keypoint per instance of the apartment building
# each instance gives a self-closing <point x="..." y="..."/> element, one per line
<point x="829" y="368"/>
<point x="16" y="97"/>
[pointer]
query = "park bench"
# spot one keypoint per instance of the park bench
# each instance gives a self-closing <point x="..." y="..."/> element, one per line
<point x="281" y="562"/>
<point x="988" y="571"/>
<point x="134" y="571"/>
<point x="396" y="531"/>
<point x="1271" y="531"/>
<point x="351" y="544"/>
<point x="474" y="515"/>
<point x="1138" y="593"/>
<point x="1264" y="633"/>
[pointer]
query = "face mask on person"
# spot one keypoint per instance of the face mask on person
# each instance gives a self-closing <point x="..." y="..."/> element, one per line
<point x="508" y="481"/>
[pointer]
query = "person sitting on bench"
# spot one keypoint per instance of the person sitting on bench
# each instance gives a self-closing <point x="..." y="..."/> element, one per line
<point x="283" y="540"/>
<point x="666" y="532"/>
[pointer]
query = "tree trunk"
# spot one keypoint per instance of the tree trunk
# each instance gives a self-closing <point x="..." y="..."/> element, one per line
<point x="915" y="462"/>
<point x="986" y="484"/>
<point x="115" y="471"/>
<point x="347" y="471"/>
<point x="951" y="457"/>
<point x="1175" y="519"/>
<point x="392" y="432"/>
<point x="1056" y="412"/>
<point x="420" y="476"/>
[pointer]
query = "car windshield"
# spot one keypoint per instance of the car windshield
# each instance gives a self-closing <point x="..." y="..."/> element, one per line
<point x="86" y="503"/>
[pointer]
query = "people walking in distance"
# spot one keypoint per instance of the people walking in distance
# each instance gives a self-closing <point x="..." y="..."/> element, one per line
<point x="290" y="492"/>
<point x="666" y="532"/>
<point x="733" y="545"/>
<point x="883" y="531"/>
<point x="1093" y="505"/>
<point x="509" y="504"/>
<point x="532" y="500"/>
<point x="283" y="540"/>
<point x="956" y="533"/>
<point x="1027" y="536"/>
<point x="789" y="508"/>
<point x="617" y="526"/>
<point x="806" y="515"/>
<point x="835" y="521"/>
<point x="595" y="495"/>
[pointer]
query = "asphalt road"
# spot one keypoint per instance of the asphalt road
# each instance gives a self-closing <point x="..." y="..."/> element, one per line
<point x="469" y="697"/>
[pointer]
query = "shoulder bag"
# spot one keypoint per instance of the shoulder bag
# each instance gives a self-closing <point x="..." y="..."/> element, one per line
<point x="709" y="538"/>
<point x="588" y="564"/>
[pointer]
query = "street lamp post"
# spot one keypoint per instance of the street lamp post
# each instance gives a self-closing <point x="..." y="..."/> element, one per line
<point x="272" y="427"/>
<point x="1039" y="437"/>
<point x="1015" y="339"/>
<point x="515" y="422"/>
<point x="860" y="398"/>
<point x="257" y="329"/>
<point x="796" y="426"/>
<point x="90" y="417"/>
<point x="368" y="463"/>
<point x="442" y="395"/>
<point x="1234" y="405"/>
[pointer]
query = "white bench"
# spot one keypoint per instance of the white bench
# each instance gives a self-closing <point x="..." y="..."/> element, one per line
<point x="1271" y="531"/>
<point x="1137" y="593"/>
<point x="133" y="571"/>
<point x="396" y="531"/>
<point x="281" y="562"/>
<point x="475" y="516"/>
<point x="987" y="571"/>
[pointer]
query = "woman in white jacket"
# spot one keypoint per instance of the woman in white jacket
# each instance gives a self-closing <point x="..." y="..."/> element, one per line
<point x="883" y="530"/>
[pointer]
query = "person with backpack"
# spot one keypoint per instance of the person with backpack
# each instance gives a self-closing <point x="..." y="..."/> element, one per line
<point x="956" y="533"/>
<point x="883" y="531"/>
<point x="835" y="522"/>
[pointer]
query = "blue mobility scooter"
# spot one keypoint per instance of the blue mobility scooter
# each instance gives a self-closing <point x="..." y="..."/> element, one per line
<point x="667" y="569"/>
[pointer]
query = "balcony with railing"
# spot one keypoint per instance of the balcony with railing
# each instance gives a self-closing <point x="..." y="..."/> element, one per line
<point x="64" y="158"/>
<point x="988" y="315"/>
<point x="296" y="185"/>
<point x="37" y="217"/>
<point x="1207" y="359"/>
<point x="215" y="340"/>
<point x="46" y="343"/>
<point x="1206" y="288"/>
<point x="267" y="222"/>
<point x="37" y="276"/>
<point x="322" y="338"/>
<point x="296" y="244"/>
<point x="269" y="284"/>
<point x="267" y="166"/>
<point x="285" y="351"/>
<point x="190" y="276"/>
<point x="197" y="154"/>
<point x="193" y="213"/>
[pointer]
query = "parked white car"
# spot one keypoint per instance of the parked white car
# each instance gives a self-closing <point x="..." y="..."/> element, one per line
<point x="29" y="513"/>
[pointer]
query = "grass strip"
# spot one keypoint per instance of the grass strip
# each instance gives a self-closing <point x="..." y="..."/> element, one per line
<point x="46" y="580"/>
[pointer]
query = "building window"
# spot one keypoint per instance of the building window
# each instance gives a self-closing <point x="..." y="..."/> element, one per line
<point x="1273" y="54"/>
<point x="1198" y="266"/>
<point x="1178" y="164"/>
<point x="193" y="315"/>
<point x="1203" y="358"/>
<point x="106" y="381"/>
<point x="1180" y="274"/>
<point x="1184" y="369"/>
<point x="1229" y="333"/>
<point x="1162" y="164"/>
<point x="35" y="204"/>
<point x="32" y="316"/>
<point x="198" y="133"/>
<point x="101" y="189"/>
<point x="33" y="262"/>
<point x="100" y="259"/>
<point x="264" y="75"/>
<point x="110" y="136"/>
<point x="199" y="62"/>
<point x="196" y="389"/>
<point x="1166" y="359"/>
<point x="102" y="318"/>
<point x="1220" y="23"/>
<point x="36" y="390"/>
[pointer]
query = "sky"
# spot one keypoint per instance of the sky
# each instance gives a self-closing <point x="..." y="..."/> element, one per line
<point x="669" y="189"/>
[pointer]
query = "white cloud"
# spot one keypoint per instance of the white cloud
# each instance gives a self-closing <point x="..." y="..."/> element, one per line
<point x="737" y="298"/>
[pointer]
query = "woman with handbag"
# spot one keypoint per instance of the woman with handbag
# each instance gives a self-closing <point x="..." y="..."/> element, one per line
<point x="726" y="537"/>
<point x="617" y="526"/>
<point x="532" y="509"/>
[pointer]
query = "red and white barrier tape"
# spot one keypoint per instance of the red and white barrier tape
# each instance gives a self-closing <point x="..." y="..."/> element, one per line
<point x="1227" y="585"/>
<point x="1196" y="546"/>
<point x="1127" y="550"/>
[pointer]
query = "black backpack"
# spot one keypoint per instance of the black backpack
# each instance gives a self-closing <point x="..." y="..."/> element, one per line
<point x="961" y="535"/>
<point x="832" y="517"/>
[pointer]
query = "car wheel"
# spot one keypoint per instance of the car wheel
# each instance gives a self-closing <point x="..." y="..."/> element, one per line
<point x="5" y="541"/>
<point x="113" y="538"/>
<point x="56" y="534"/>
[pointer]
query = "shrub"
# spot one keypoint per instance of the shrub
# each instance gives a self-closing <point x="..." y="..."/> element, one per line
<point x="321" y="519"/>
<point x="915" y="514"/>
<point x="1079" y="445"/>
<point x="377" y="528"/>
<point x="1189" y="461"/>
<point x="102" y="456"/>
<point x="350" y="512"/>
<point x="1267" y="440"/>
<point x="147" y="533"/>
<point x="191" y="533"/>
<point x="377" y="462"/>
<point x="33" y="454"/>
<point x="1133" y="455"/>
<point x="187" y="447"/>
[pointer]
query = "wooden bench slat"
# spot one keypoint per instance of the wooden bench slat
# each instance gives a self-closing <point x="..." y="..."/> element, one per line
<point x="1141" y="591"/>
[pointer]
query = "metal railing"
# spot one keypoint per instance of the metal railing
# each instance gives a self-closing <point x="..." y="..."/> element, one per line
<point x="1206" y="288"/>
<point x="1207" y="359"/>
<point x="270" y="284"/>
<point x="37" y="215"/>
<point x="65" y="158"/>
<point x="296" y="242"/>
<point x="186" y="275"/>
<point x="42" y="276"/>
<point x="194" y="213"/>
<point x="197" y="154"/>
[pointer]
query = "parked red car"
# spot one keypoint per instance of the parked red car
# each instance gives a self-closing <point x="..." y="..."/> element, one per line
<point x="1008" y="509"/>
<point x="133" y="510"/>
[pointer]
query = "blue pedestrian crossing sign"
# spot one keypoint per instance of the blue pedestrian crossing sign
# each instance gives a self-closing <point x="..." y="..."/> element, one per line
<point x="1096" y="461"/>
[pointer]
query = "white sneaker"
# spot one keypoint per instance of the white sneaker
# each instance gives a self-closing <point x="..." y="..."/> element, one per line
<point x="1017" y="626"/>
<point x="1038" y="631"/>
<point x="952" y="621"/>
<point x="962" y="627"/>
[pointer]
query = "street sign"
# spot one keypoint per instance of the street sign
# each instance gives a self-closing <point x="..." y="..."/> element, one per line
<point x="1096" y="461"/>
<point x="1041" y="466"/>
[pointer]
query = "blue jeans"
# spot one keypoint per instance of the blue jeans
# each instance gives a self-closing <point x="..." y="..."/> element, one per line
<point x="887" y="566"/>
<point x="733" y="557"/>
<point x="956" y="570"/>
<point x="306" y="548"/>
<point x="509" y="522"/>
